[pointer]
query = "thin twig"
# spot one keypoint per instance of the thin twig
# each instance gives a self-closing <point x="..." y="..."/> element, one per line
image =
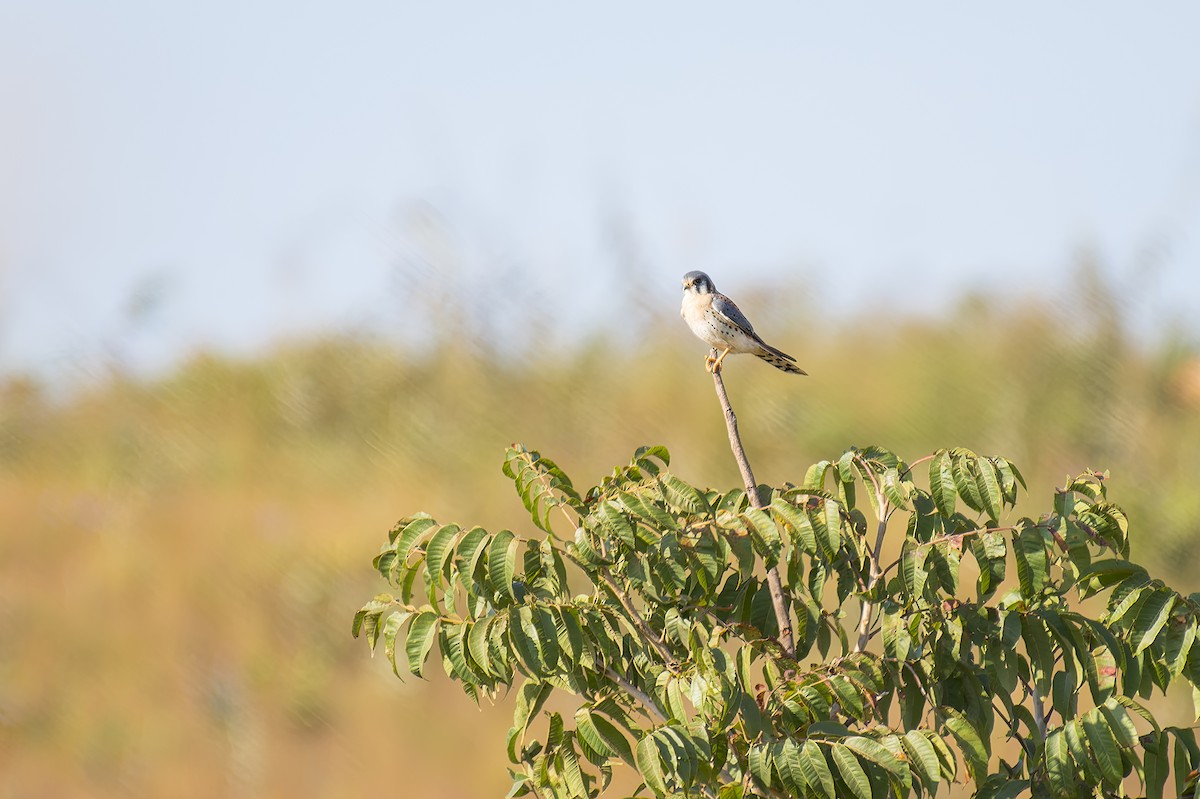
<point x="631" y="612"/>
<point x="950" y="537"/>
<point x="1026" y="746"/>
<point x="908" y="469"/>
<point x="647" y="701"/>
<point x="778" y="599"/>
<point x="637" y="621"/>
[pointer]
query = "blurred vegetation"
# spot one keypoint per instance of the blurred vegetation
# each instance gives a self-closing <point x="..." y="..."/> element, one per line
<point x="181" y="556"/>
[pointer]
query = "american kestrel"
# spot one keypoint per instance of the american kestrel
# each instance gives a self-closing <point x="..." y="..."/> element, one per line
<point x="717" y="321"/>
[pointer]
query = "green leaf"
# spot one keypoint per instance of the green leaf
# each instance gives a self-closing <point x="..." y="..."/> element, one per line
<point x="527" y="641"/>
<point x="1104" y="746"/>
<point x="368" y="618"/>
<point x="990" y="551"/>
<point x="815" y="476"/>
<point x="420" y="640"/>
<point x="851" y="771"/>
<point x="786" y="757"/>
<point x="406" y="535"/>
<point x="1124" y="732"/>
<point x="1151" y="618"/>
<point x="912" y="569"/>
<point x="1126" y="596"/>
<point x="530" y="699"/>
<point x="895" y="489"/>
<point x="974" y="749"/>
<point x="642" y="455"/>
<point x="651" y="512"/>
<point x="798" y="521"/>
<point x="571" y="771"/>
<point x="570" y="635"/>
<point x="616" y="524"/>
<point x="963" y="469"/>
<point x="477" y="645"/>
<point x="759" y="761"/>
<point x="454" y="656"/>
<point x="845" y="466"/>
<point x="764" y="534"/>
<point x="941" y="483"/>
<point x="599" y="731"/>
<point x="988" y="486"/>
<point x="833" y="524"/>
<point x="684" y="497"/>
<point x="1177" y="645"/>
<point x="1105" y="573"/>
<point x="848" y="696"/>
<point x="502" y="563"/>
<point x="922" y="758"/>
<point x="391" y="629"/>
<point x="1059" y="771"/>
<point x="1040" y="651"/>
<point x="437" y="552"/>
<point x="469" y="552"/>
<point x="1081" y="754"/>
<point x="1185" y="756"/>
<point x="588" y="733"/>
<point x="871" y="750"/>
<point x="816" y="770"/>
<point x="896" y="640"/>
<point x="999" y="787"/>
<point x="1158" y="767"/>
<point x="1032" y="569"/>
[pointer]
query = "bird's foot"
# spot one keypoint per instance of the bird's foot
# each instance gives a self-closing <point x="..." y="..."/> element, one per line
<point x="716" y="364"/>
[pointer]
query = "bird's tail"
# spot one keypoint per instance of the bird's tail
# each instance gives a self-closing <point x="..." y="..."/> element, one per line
<point x="780" y="360"/>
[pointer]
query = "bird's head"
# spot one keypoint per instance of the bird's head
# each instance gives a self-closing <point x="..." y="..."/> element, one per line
<point x="698" y="283"/>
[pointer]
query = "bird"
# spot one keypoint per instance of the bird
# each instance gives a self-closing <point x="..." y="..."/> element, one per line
<point x="717" y="321"/>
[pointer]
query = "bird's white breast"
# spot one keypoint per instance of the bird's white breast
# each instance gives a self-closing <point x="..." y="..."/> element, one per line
<point x="695" y="311"/>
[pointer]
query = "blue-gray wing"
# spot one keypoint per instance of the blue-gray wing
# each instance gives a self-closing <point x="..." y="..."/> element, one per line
<point x="724" y="306"/>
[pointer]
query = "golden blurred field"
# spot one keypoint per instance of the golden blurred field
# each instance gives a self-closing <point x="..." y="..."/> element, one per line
<point x="181" y="557"/>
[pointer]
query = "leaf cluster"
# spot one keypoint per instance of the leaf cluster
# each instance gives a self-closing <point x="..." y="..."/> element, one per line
<point x="649" y="604"/>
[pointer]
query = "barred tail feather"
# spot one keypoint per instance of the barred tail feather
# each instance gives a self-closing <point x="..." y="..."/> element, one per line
<point x="781" y="360"/>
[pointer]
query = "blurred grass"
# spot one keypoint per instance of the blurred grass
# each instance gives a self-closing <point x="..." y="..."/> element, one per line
<point x="181" y="556"/>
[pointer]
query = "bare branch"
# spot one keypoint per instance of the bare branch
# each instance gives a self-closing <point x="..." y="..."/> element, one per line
<point x="775" y="583"/>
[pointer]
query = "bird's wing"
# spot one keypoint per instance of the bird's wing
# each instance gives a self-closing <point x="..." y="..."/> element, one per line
<point x="724" y="306"/>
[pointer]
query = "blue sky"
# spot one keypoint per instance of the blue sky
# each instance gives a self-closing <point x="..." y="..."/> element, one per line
<point x="251" y="167"/>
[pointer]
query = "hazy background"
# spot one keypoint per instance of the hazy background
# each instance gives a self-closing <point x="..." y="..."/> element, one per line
<point x="273" y="276"/>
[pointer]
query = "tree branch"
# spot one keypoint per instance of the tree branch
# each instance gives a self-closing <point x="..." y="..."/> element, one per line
<point x="1039" y="711"/>
<point x="637" y="621"/>
<point x="778" y="599"/>
<point x="634" y="618"/>
<point x="647" y="701"/>
<point x="885" y="512"/>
